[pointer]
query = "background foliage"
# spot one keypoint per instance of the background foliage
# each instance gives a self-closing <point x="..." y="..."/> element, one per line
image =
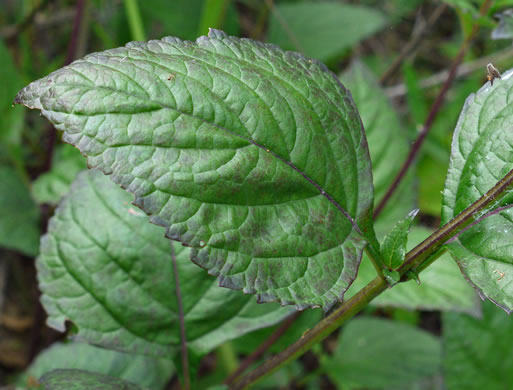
<point x="102" y="290"/>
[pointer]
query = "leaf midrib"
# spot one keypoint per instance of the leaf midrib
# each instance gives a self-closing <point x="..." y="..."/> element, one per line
<point x="250" y="140"/>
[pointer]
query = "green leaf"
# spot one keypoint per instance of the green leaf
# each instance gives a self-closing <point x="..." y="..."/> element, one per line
<point x="393" y="248"/>
<point x="148" y="372"/>
<point x="181" y="18"/>
<point x="19" y="221"/>
<point x="11" y="119"/>
<point x="51" y="186"/>
<point x="388" y="144"/>
<point x="481" y="155"/>
<point x="110" y="273"/>
<point x="376" y="353"/>
<point x="314" y="28"/>
<point x="254" y="157"/>
<point x="83" y="380"/>
<point x="477" y="351"/>
<point x="432" y="293"/>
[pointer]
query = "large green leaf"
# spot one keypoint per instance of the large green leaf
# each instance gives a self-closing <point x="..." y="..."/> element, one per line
<point x="376" y="353"/>
<point x="254" y="157"/>
<point x="322" y="29"/>
<point x="433" y="293"/>
<point x="73" y="379"/>
<point x="477" y="351"/>
<point x="109" y="271"/>
<point x="150" y="373"/>
<point x="388" y="144"/>
<point x="51" y="186"/>
<point x="481" y="155"/>
<point x="19" y="215"/>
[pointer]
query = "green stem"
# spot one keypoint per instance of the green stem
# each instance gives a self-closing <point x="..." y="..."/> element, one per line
<point x="318" y="333"/>
<point x="227" y="357"/>
<point x="433" y="243"/>
<point x="416" y="259"/>
<point x="376" y="261"/>
<point x="134" y="20"/>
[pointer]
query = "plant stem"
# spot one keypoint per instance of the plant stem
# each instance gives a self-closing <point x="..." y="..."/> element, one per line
<point x="77" y="41"/>
<point x="435" y="108"/>
<point x="412" y="44"/>
<point x="262" y="348"/>
<point x="414" y="261"/>
<point x="183" y="336"/>
<point x="318" y="333"/>
<point x="376" y="261"/>
<point x="134" y="20"/>
<point x="421" y="252"/>
<point x="227" y="356"/>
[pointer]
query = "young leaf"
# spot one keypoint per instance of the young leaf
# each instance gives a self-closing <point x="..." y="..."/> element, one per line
<point x="19" y="221"/>
<point x="148" y="372"/>
<point x="481" y="155"/>
<point x="393" y="248"/>
<point x="432" y="293"/>
<point x="254" y="157"/>
<point x="109" y="271"/>
<point x="477" y="351"/>
<point x="83" y="380"/>
<point x="376" y="353"/>
<point x="314" y="27"/>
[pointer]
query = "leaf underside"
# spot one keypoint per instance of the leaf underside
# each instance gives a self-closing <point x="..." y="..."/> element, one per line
<point x="107" y="270"/>
<point x="252" y="156"/>
<point x="481" y="155"/>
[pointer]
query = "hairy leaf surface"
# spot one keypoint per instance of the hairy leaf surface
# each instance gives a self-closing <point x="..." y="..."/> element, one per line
<point x="481" y="155"/>
<point x="254" y="157"/>
<point x="110" y="272"/>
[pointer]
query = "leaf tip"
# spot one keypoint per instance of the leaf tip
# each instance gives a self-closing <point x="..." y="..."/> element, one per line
<point x="214" y="33"/>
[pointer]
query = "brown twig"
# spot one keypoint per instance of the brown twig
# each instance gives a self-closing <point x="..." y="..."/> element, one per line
<point x="435" y="108"/>
<point x="76" y="45"/>
<point x="413" y="44"/>
<point x="463" y="70"/>
<point x="262" y="348"/>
